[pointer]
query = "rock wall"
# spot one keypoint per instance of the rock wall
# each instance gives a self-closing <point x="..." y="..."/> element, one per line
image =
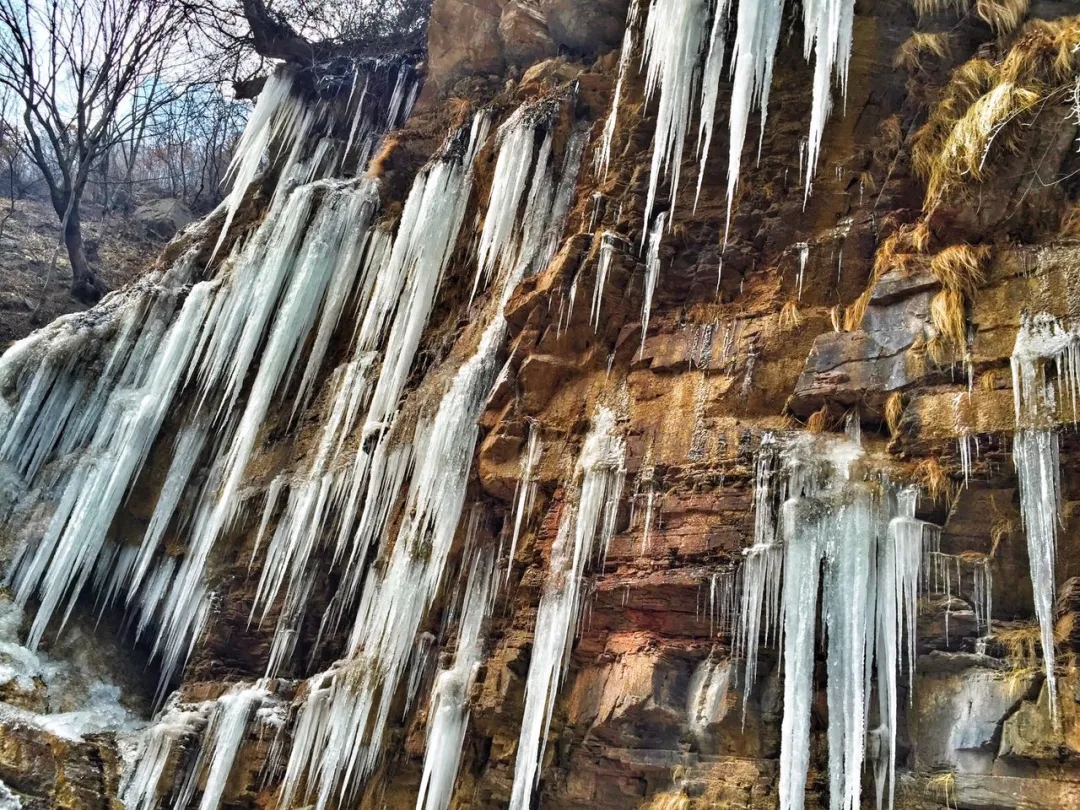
<point x="810" y="312"/>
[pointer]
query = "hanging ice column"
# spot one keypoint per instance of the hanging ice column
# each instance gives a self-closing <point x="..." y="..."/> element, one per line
<point x="1043" y="400"/>
<point x="448" y="716"/>
<point x="820" y="505"/>
<point x="685" y="40"/>
<point x="585" y="529"/>
<point x="338" y="738"/>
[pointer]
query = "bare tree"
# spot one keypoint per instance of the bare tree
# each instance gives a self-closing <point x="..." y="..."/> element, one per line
<point x="74" y="66"/>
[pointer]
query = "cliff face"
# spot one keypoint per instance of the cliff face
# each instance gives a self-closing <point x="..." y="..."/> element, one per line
<point x="880" y="312"/>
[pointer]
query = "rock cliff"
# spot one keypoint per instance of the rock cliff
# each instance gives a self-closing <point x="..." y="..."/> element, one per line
<point x="416" y="438"/>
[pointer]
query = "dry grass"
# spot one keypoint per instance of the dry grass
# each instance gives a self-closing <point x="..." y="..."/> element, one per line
<point x="948" y="318"/>
<point x="854" y="314"/>
<point x="818" y="421"/>
<point x="928" y="8"/>
<point x="987" y="381"/>
<point x="1070" y="223"/>
<point x="381" y="162"/>
<point x="894" y="412"/>
<point x="911" y="55"/>
<point x="960" y="267"/>
<point x="1003" y="16"/>
<point x="917" y="348"/>
<point x="1021" y="646"/>
<point x="931" y="475"/>
<point x="790" y="317"/>
<point x="946" y="784"/>
<point x="1063" y="628"/>
<point x="671" y="800"/>
<point x="836" y="319"/>
<point x="985" y="109"/>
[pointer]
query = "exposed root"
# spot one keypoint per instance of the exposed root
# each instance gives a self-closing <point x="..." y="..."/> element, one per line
<point x="790" y="317"/>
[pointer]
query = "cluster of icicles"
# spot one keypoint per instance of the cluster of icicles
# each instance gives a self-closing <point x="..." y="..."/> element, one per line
<point x="85" y="400"/>
<point x="826" y="522"/>
<point x="684" y="46"/>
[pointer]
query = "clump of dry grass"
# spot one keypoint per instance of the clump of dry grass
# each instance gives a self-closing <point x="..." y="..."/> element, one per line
<point x="1064" y="627"/>
<point x="856" y="311"/>
<point x="985" y="108"/>
<point x="927" y="8"/>
<point x="947" y="315"/>
<point x="894" y="412"/>
<point x="819" y="420"/>
<point x="1070" y="223"/>
<point x="1003" y="16"/>
<point x="988" y="381"/>
<point x="918" y="346"/>
<point x="946" y="783"/>
<point x="960" y="267"/>
<point x="1021" y="646"/>
<point x="836" y="319"/>
<point x="671" y="800"/>
<point x="915" y="49"/>
<point x="931" y="475"/>
<point x="790" y="317"/>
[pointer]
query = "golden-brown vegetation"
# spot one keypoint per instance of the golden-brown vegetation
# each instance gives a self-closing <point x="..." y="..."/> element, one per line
<point x="960" y="267"/>
<point x="948" y="319"/>
<point x="894" y="412"/>
<point x="819" y="420"/>
<point x="911" y="55"/>
<point x="790" y="317"/>
<point x="1002" y="15"/>
<point x="985" y="108"/>
<point x="931" y="475"/>
<point x="856" y="311"/>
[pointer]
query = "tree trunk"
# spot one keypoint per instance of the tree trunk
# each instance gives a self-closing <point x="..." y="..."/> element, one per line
<point x="85" y="285"/>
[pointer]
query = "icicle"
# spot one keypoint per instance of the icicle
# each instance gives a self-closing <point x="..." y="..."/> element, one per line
<point x="340" y="729"/>
<point x="585" y="529"/>
<point x="278" y="117"/>
<point x="526" y="494"/>
<point x="652" y="274"/>
<point x="804" y="254"/>
<point x="802" y="562"/>
<point x="140" y="787"/>
<point x="602" y="160"/>
<point x="221" y="743"/>
<point x="848" y="614"/>
<point x="1036" y="454"/>
<point x="608" y="247"/>
<point x="449" y="710"/>
<point x="707" y="703"/>
<point x="1041" y="401"/>
<point x="827" y="29"/>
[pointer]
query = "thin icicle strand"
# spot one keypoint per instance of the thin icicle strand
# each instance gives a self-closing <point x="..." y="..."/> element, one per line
<point x="585" y="529"/>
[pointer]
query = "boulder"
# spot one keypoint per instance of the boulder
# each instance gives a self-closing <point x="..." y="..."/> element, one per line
<point x="588" y="27"/>
<point x="463" y="38"/>
<point x="164" y="218"/>
<point x="524" y="34"/>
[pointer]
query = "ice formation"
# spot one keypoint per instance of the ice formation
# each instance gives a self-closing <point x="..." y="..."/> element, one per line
<point x="1046" y="390"/>
<point x="825" y="523"/>
<point x="708" y="693"/>
<point x="449" y="708"/>
<point x="339" y="728"/>
<point x="685" y="41"/>
<point x="585" y="529"/>
<point x="526" y="492"/>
